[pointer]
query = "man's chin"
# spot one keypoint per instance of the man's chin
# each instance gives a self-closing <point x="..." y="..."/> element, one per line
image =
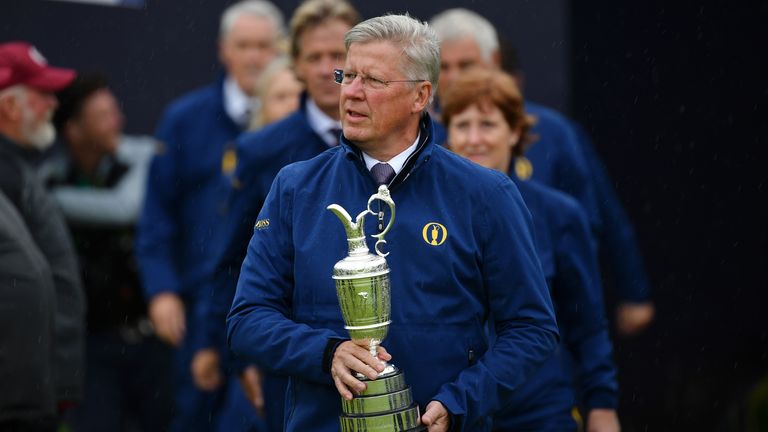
<point x="42" y="137"/>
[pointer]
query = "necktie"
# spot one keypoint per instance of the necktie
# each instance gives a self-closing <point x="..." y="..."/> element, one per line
<point x="336" y="132"/>
<point x="382" y="173"/>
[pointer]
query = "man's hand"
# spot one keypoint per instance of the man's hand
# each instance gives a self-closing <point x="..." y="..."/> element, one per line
<point x="166" y="311"/>
<point x="351" y="357"/>
<point x="250" y="380"/>
<point x="205" y="370"/>
<point x="632" y="318"/>
<point x="603" y="420"/>
<point x="436" y="417"/>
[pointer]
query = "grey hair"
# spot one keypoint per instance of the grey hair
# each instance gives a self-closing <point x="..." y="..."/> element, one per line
<point x="258" y="8"/>
<point x="418" y="41"/>
<point x="460" y="23"/>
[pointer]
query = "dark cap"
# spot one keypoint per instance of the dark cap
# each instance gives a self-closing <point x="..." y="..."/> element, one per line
<point x="22" y="63"/>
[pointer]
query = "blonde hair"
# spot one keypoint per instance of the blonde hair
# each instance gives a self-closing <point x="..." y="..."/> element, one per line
<point x="263" y="83"/>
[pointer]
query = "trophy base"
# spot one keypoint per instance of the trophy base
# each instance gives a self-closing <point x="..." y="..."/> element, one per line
<point x="386" y="405"/>
<point x="404" y="420"/>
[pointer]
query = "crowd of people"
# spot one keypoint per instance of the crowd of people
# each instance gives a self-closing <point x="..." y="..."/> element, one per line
<point x="182" y="281"/>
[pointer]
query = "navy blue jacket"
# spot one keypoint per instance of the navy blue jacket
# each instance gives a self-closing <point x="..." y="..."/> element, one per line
<point x="185" y="195"/>
<point x="557" y="160"/>
<point x="563" y="243"/>
<point x="286" y="312"/>
<point x="564" y="158"/>
<point x="618" y="247"/>
<point x="260" y="156"/>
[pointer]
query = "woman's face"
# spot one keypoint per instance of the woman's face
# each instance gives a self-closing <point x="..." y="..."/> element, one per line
<point x="282" y="96"/>
<point x="483" y="135"/>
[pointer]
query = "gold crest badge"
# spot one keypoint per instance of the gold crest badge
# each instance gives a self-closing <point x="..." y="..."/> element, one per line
<point x="523" y="168"/>
<point x="228" y="161"/>
<point x="434" y="233"/>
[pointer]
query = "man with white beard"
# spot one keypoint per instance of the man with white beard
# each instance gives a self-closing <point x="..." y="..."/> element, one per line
<point x="27" y="103"/>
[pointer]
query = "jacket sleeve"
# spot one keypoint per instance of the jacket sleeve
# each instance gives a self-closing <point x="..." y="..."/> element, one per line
<point x="618" y="245"/>
<point x="51" y="234"/>
<point x="573" y="175"/>
<point x="520" y="305"/>
<point x="578" y="295"/>
<point x="117" y="205"/>
<point x="245" y="199"/>
<point x="259" y="327"/>
<point x="157" y="232"/>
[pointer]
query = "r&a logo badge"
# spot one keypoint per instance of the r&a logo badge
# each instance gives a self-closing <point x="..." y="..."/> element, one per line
<point x="434" y="233"/>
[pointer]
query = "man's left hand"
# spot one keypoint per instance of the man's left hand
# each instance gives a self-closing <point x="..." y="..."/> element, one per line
<point x="603" y="420"/>
<point x="436" y="417"/>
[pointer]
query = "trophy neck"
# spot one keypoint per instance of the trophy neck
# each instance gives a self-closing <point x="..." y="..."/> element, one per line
<point x="357" y="246"/>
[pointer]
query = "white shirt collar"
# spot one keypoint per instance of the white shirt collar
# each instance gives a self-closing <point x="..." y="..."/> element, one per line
<point x="396" y="162"/>
<point x="237" y="104"/>
<point x="321" y="123"/>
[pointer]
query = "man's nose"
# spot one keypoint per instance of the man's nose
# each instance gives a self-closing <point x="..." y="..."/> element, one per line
<point x="354" y="89"/>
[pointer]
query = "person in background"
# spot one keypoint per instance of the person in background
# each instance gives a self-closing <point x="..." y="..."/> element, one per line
<point x="285" y="315"/>
<point x="483" y="111"/>
<point x="98" y="179"/>
<point x="184" y="204"/>
<point x="317" y="47"/>
<point x="562" y="158"/>
<point x="28" y="400"/>
<point x="27" y="103"/>
<point x="278" y="90"/>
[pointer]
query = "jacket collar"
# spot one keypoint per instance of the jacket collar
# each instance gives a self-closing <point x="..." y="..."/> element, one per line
<point x="426" y="132"/>
<point x="418" y="157"/>
<point x="29" y="155"/>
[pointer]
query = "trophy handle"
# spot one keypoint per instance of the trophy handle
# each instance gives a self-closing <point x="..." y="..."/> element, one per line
<point x="382" y="195"/>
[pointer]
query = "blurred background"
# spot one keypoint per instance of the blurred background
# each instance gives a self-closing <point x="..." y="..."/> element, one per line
<point x="674" y="96"/>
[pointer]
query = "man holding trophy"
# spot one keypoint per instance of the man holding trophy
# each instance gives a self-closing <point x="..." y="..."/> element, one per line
<point x="460" y="253"/>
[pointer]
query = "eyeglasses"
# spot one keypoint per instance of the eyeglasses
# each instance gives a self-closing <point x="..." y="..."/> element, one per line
<point x="368" y="82"/>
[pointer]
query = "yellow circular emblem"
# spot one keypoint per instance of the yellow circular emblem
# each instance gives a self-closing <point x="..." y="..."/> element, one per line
<point x="434" y="233"/>
<point x="228" y="161"/>
<point x="523" y="168"/>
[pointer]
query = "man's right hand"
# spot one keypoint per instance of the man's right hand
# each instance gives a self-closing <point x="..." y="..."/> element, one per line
<point x="166" y="311"/>
<point x="351" y="357"/>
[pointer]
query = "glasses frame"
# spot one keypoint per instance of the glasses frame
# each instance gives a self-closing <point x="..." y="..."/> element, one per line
<point x="338" y="78"/>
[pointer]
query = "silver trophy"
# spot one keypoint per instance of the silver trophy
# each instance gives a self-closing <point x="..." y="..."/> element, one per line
<point x="362" y="286"/>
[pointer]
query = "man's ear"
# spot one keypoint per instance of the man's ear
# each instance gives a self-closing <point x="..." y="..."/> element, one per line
<point x="421" y="100"/>
<point x="10" y="108"/>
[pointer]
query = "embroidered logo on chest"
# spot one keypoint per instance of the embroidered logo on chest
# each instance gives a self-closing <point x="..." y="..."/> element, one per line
<point x="434" y="234"/>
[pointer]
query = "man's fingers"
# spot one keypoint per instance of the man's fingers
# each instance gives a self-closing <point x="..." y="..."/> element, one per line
<point x="342" y="388"/>
<point x="251" y="380"/>
<point x="166" y="310"/>
<point x="352" y="383"/>
<point x="205" y="370"/>
<point x="178" y="325"/>
<point x="427" y="419"/>
<point x="358" y="359"/>
<point x="383" y="354"/>
<point x="436" y="417"/>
